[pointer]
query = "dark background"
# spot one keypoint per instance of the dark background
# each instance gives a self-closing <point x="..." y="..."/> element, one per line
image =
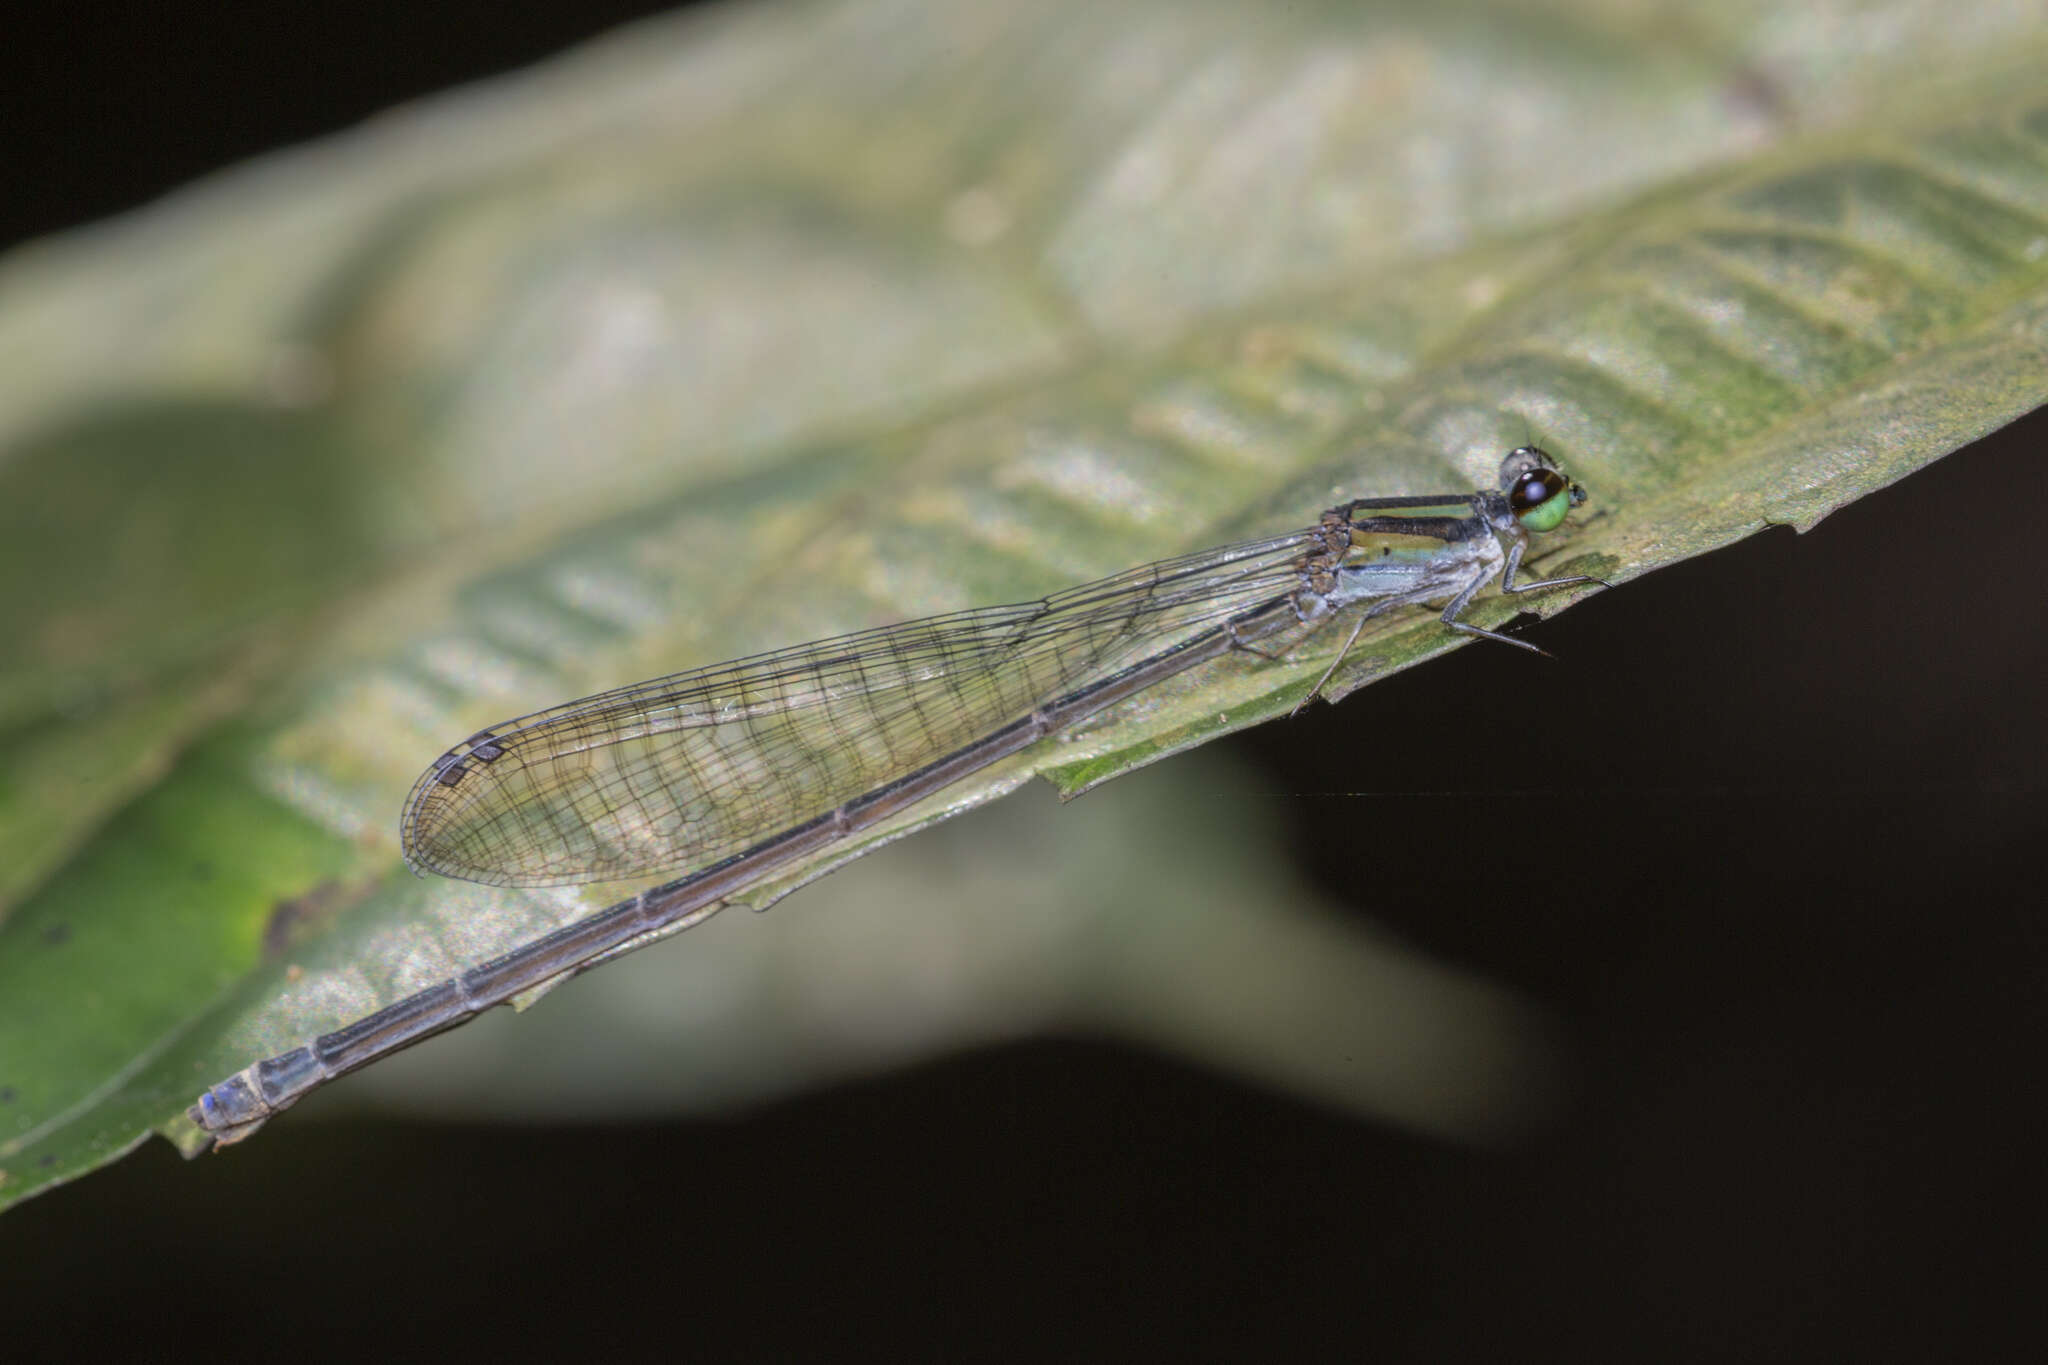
<point x="1803" y="971"/>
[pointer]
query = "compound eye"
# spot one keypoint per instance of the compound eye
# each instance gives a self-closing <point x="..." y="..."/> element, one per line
<point x="1534" y="488"/>
<point x="1540" y="499"/>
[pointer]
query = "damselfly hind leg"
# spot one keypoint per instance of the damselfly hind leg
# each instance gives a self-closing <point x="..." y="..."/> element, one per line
<point x="1317" y="690"/>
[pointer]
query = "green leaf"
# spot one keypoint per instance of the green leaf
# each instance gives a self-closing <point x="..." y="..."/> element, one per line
<point x="731" y="333"/>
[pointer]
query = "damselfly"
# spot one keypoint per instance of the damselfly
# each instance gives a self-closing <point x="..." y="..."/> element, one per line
<point x="742" y="768"/>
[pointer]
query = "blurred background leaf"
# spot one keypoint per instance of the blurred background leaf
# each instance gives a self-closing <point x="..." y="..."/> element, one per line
<point x="782" y="320"/>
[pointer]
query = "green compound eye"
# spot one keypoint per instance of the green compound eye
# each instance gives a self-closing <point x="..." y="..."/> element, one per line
<point x="1541" y="498"/>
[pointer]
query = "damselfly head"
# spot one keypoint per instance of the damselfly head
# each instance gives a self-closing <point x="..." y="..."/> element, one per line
<point x="1537" y="493"/>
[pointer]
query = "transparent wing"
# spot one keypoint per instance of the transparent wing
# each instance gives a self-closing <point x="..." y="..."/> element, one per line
<point x="687" y="769"/>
